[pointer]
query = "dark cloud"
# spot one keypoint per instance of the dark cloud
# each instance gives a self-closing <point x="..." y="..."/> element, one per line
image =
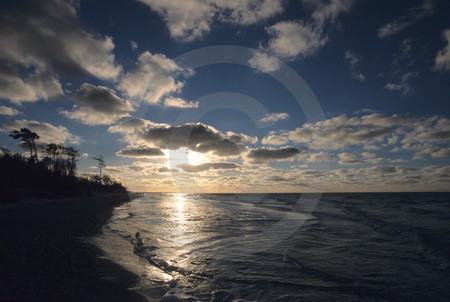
<point x="48" y="33"/>
<point x="197" y="137"/>
<point x="140" y="152"/>
<point x="277" y="178"/>
<point x="166" y="170"/>
<point x="98" y="105"/>
<point x="270" y="154"/>
<point x="207" y="166"/>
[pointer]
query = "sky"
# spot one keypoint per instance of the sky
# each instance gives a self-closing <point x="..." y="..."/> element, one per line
<point x="235" y="95"/>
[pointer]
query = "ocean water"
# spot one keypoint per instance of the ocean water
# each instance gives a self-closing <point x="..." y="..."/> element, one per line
<point x="284" y="247"/>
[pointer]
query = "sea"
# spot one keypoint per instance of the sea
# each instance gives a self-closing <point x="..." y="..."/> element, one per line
<point x="284" y="247"/>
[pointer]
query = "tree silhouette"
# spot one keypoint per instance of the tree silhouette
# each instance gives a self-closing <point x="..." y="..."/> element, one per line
<point x="28" y="139"/>
<point x="100" y="162"/>
<point x="72" y="155"/>
<point x="58" y="164"/>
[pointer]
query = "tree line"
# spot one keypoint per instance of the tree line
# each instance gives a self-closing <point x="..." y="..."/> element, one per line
<point x="49" y="172"/>
<point x="59" y="159"/>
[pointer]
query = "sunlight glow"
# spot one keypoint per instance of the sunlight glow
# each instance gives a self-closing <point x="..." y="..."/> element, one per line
<point x="184" y="156"/>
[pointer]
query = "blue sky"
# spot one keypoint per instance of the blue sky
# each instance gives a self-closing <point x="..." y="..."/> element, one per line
<point x="235" y="96"/>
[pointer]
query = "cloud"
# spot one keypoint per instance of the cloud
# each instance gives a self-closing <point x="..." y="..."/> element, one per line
<point x="364" y="157"/>
<point x="179" y="103"/>
<point x="420" y="136"/>
<point x="441" y="153"/>
<point x="353" y="61"/>
<point x="403" y="85"/>
<point x="272" y="154"/>
<point x="48" y="133"/>
<point x="4" y="110"/>
<point x="274" y="117"/>
<point x="134" y="45"/>
<point x="348" y="158"/>
<point x="48" y="35"/>
<point x="189" y="20"/>
<point x="207" y="166"/>
<point x="140" y="152"/>
<point x="132" y="125"/>
<point x="38" y="85"/>
<point x="197" y="137"/>
<point x="98" y="105"/>
<point x="433" y="129"/>
<point x="328" y="11"/>
<point x="413" y="15"/>
<point x="264" y="62"/>
<point x="319" y="157"/>
<point x="152" y="78"/>
<point x="293" y="39"/>
<point x="341" y="131"/>
<point x="442" y="61"/>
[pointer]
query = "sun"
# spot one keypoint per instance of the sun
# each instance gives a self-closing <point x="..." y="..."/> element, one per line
<point x="184" y="156"/>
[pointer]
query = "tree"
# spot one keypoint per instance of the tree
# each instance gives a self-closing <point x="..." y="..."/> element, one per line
<point x="57" y="163"/>
<point x="100" y="162"/>
<point x="28" y="139"/>
<point x="72" y="155"/>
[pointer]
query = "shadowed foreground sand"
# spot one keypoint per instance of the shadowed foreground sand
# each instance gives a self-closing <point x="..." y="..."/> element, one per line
<point x="43" y="259"/>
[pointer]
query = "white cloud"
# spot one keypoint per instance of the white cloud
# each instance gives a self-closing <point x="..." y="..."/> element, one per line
<point x="291" y="39"/>
<point x="354" y="62"/>
<point x="273" y="117"/>
<point x="4" y="110"/>
<point x="264" y="62"/>
<point x="341" y="131"/>
<point x="189" y="20"/>
<point x="38" y="85"/>
<point x="48" y="34"/>
<point x="48" y="133"/>
<point x="98" y="105"/>
<point x="319" y="157"/>
<point x="442" y="61"/>
<point x="441" y="153"/>
<point x="179" y="103"/>
<point x="132" y="125"/>
<point x="328" y="11"/>
<point x="152" y="79"/>
<point x="431" y="130"/>
<point x="134" y="45"/>
<point x="404" y="85"/>
<point x="419" y="136"/>
<point x="401" y="23"/>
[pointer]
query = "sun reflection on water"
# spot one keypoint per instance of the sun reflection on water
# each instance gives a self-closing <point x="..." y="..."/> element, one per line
<point x="180" y="204"/>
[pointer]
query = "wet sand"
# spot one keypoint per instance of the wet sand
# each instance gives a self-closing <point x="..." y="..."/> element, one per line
<point x="43" y="256"/>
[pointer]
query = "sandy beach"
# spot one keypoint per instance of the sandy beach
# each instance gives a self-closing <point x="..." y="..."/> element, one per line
<point x="43" y="256"/>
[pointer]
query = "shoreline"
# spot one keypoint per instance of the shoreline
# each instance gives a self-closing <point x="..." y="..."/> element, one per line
<point x="43" y="256"/>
